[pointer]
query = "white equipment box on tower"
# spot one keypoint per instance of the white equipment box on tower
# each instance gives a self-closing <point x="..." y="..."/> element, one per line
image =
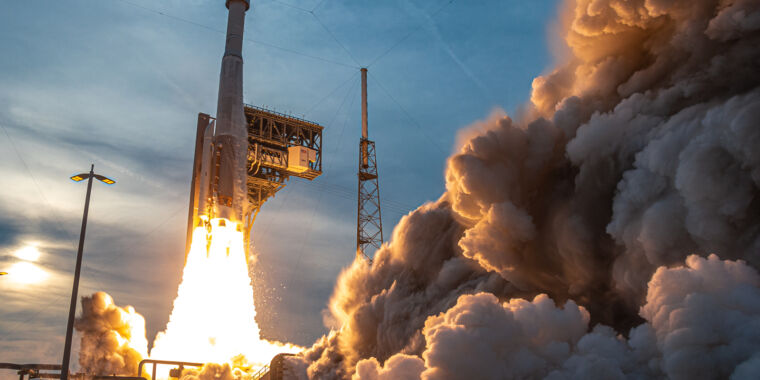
<point x="299" y="158"/>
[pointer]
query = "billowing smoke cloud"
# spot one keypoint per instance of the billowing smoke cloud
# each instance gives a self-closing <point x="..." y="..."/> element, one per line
<point x="113" y="338"/>
<point x="703" y="322"/>
<point x="639" y="149"/>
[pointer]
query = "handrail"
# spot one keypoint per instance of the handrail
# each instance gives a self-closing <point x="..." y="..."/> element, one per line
<point x="280" y="114"/>
<point x="261" y="372"/>
<point x="156" y="362"/>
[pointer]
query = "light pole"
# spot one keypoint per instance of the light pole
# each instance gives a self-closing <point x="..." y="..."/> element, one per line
<point x="73" y="307"/>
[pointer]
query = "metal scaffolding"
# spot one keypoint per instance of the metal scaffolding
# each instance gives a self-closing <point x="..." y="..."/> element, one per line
<point x="369" y="222"/>
<point x="272" y="136"/>
<point x="279" y="146"/>
<point x="369" y="232"/>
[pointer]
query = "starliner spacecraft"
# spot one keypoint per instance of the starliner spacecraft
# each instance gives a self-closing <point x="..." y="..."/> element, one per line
<point x="247" y="153"/>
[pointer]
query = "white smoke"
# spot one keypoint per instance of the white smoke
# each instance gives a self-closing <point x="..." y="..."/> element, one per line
<point x="113" y="338"/>
<point x="639" y="149"/>
<point x="703" y="322"/>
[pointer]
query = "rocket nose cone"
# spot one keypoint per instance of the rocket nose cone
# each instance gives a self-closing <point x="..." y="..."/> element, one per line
<point x="246" y="2"/>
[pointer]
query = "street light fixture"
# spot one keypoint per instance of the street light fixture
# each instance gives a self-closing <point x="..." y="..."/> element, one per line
<point x="3" y="273"/>
<point x="72" y="308"/>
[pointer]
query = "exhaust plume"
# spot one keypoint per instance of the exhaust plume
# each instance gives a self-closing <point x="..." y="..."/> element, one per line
<point x="523" y="339"/>
<point x="636" y="151"/>
<point x="212" y="322"/>
<point x="113" y="338"/>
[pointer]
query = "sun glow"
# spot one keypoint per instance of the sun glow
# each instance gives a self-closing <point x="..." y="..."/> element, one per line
<point x="213" y="315"/>
<point x="28" y="253"/>
<point x="27" y="273"/>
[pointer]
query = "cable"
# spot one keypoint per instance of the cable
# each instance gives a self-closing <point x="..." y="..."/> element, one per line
<point x="408" y="115"/>
<point x="343" y="128"/>
<point x="330" y="94"/>
<point x="245" y="39"/>
<point x="317" y="6"/>
<point x="292" y="6"/>
<point x="419" y="26"/>
<point x="335" y="38"/>
<point x="299" y="53"/>
<point x="321" y="191"/>
<point x="311" y="12"/>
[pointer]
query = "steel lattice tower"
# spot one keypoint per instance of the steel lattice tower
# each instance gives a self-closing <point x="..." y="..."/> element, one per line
<point x="369" y="222"/>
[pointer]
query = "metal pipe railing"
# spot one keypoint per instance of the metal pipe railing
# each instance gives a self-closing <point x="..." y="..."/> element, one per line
<point x="168" y="362"/>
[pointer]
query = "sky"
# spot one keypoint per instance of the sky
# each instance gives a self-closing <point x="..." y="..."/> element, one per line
<point x="119" y="84"/>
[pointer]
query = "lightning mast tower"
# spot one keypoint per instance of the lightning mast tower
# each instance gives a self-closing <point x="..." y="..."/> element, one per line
<point x="369" y="223"/>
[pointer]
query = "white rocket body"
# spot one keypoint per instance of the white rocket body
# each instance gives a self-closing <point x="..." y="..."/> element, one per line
<point x="224" y="192"/>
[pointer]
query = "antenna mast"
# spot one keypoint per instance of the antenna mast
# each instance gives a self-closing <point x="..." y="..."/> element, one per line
<point x="369" y="224"/>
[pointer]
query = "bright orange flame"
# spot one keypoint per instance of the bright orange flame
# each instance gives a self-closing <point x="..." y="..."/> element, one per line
<point x="213" y="316"/>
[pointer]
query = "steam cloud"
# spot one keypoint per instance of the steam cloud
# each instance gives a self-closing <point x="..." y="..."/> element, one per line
<point x="573" y="241"/>
<point x="703" y="322"/>
<point x="113" y="338"/>
<point x="639" y="149"/>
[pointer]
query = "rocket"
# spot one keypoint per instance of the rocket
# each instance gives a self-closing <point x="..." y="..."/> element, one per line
<point x="220" y="175"/>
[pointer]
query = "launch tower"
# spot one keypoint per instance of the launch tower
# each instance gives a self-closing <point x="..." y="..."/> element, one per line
<point x="369" y="222"/>
<point x="246" y="154"/>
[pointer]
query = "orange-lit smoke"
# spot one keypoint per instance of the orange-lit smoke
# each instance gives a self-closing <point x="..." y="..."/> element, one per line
<point x="637" y="149"/>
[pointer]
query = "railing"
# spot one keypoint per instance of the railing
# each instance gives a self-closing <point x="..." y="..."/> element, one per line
<point x="263" y="371"/>
<point x="169" y="362"/>
<point x="279" y="113"/>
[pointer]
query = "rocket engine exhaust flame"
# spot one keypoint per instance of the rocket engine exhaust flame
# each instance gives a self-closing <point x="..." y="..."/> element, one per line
<point x="213" y="319"/>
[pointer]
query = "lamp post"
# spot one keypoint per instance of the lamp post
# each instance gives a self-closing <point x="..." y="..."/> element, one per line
<point x="73" y="307"/>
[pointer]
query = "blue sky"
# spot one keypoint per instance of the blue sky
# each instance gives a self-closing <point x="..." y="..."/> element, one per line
<point x="119" y="83"/>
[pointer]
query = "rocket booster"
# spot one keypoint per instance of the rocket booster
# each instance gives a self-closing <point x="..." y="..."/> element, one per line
<point x="222" y="190"/>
